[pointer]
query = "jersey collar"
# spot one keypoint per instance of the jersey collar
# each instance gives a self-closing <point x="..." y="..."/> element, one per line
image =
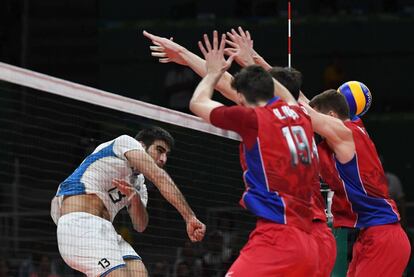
<point x="273" y="100"/>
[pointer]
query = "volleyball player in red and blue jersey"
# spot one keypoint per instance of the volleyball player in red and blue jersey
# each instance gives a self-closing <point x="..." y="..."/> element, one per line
<point x="349" y="163"/>
<point x="277" y="160"/>
<point x="322" y="234"/>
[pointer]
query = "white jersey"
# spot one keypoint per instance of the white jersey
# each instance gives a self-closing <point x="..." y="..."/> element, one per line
<point x="95" y="174"/>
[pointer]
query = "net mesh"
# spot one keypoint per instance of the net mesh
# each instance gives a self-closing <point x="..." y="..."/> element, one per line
<point x="45" y="136"/>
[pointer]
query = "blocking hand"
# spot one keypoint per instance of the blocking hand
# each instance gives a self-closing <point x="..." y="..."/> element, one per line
<point x="242" y="44"/>
<point x="166" y="50"/>
<point x="214" y="55"/>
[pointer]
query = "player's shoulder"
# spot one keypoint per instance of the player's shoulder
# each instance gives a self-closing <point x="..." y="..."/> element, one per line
<point x="104" y="145"/>
<point x="124" y="143"/>
<point x="359" y="133"/>
<point x="124" y="137"/>
<point x="236" y="108"/>
<point x="301" y="108"/>
<point x="301" y="112"/>
<point x="358" y="121"/>
<point x="234" y="111"/>
<point x="354" y="125"/>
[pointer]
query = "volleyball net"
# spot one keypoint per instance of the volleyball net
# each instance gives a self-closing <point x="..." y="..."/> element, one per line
<point x="49" y="125"/>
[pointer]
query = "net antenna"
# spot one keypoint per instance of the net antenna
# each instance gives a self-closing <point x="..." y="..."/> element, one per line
<point x="289" y="35"/>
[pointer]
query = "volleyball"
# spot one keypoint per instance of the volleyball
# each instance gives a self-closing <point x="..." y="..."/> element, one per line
<point x="358" y="97"/>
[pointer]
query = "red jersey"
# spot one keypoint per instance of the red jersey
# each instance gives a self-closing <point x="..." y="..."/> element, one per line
<point x="360" y="187"/>
<point x="276" y="155"/>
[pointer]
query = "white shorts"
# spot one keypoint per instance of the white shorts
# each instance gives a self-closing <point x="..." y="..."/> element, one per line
<point x="91" y="245"/>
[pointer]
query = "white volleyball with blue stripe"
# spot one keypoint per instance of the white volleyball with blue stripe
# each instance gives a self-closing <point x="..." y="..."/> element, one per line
<point x="358" y="97"/>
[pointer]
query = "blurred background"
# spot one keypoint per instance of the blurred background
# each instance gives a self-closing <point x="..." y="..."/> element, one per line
<point x="100" y="44"/>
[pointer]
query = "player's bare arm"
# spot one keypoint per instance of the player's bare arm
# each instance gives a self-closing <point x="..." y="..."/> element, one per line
<point x="137" y="211"/>
<point x="303" y="98"/>
<point x="146" y="165"/>
<point x="169" y="51"/>
<point x="244" y="44"/>
<point x="242" y="47"/>
<point x="338" y="136"/>
<point x="259" y="60"/>
<point x="166" y="50"/>
<point x="284" y="93"/>
<point x="201" y="103"/>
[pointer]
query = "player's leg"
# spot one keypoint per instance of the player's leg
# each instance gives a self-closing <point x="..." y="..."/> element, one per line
<point x="117" y="272"/>
<point x="136" y="268"/>
<point x="326" y="248"/>
<point x="356" y="251"/>
<point x="133" y="268"/>
<point x="89" y="244"/>
<point x="276" y="250"/>
<point x="380" y="251"/>
<point x="134" y="264"/>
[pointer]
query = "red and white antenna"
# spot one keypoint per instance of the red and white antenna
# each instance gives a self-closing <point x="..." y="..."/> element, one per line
<point x="289" y="35"/>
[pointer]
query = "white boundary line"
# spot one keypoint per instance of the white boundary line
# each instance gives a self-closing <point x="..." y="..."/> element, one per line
<point x="46" y="83"/>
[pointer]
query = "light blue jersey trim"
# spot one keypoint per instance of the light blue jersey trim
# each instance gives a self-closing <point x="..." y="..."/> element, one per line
<point x="73" y="185"/>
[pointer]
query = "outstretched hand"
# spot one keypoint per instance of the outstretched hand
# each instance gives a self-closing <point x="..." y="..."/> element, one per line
<point x="195" y="229"/>
<point x="214" y="54"/>
<point x="124" y="187"/>
<point x="166" y="50"/>
<point x="242" y="44"/>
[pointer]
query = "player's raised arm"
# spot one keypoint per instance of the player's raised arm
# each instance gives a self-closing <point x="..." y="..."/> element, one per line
<point x="244" y="44"/>
<point x="303" y="98"/>
<point x="259" y="60"/>
<point x="201" y="103"/>
<point x="284" y="93"/>
<point x="338" y="136"/>
<point x="169" y="51"/>
<point x="242" y="47"/>
<point x="160" y="178"/>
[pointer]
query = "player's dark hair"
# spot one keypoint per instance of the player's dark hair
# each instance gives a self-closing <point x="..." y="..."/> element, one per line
<point x="153" y="133"/>
<point x="290" y="78"/>
<point x="331" y="100"/>
<point x="254" y="83"/>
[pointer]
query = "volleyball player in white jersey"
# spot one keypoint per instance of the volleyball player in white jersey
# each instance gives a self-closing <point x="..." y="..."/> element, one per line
<point x="89" y="199"/>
